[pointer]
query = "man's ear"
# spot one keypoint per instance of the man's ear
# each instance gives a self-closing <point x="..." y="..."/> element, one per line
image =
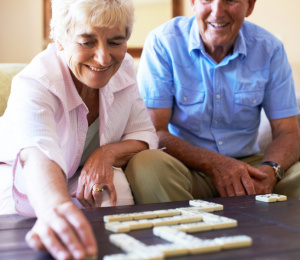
<point x="250" y="7"/>
<point x="192" y="5"/>
<point x="59" y="45"/>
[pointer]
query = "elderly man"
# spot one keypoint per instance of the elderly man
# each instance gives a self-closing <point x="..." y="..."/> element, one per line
<point x="205" y="80"/>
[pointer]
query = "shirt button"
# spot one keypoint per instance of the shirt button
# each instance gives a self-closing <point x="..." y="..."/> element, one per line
<point x="218" y="96"/>
<point x="185" y="98"/>
<point x="216" y="122"/>
<point x="220" y="142"/>
<point x="254" y="101"/>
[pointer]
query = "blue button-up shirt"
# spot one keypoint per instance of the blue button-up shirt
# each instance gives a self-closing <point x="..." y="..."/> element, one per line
<point x="216" y="106"/>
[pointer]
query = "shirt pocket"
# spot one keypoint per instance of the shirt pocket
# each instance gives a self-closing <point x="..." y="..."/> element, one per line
<point x="247" y="106"/>
<point x="191" y="98"/>
<point x="189" y="109"/>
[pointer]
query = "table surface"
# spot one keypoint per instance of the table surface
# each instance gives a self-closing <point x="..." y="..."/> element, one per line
<point x="274" y="228"/>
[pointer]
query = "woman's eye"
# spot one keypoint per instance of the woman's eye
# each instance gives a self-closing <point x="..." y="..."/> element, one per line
<point x="87" y="44"/>
<point x="116" y="43"/>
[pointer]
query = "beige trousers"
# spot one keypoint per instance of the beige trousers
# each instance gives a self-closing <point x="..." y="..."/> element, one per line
<point x="154" y="176"/>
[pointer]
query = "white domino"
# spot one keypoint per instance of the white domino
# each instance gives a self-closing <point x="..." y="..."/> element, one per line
<point x="118" y="217"/>
<point x="137" y="255"/>
<point x="126" y="243"/>
<point x="117" y="227"/>
<point x="143" y="215"/>
<point x="234" y="241"/>
<point x="149" y="254"/>
<point x="270" y="197"/>
<point x="121" y="257"/>
<point x="174" y="236"/>
<point x="193" y="227"/>
<point x="205" y="246"/>
<point x="170" y="250"/>
<point x="195" y="209"/>
<point x="188" y="218"/>
<point x="139" y="224"/>
<point x="206" y="205"/>
<point x="165" y="221"/>
<point x="167" y="213"/>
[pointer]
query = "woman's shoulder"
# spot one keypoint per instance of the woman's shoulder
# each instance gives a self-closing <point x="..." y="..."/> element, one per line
<point x="45" y="68"/>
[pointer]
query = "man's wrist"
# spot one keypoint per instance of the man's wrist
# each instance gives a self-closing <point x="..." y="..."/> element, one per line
<point x="277" y="168"/>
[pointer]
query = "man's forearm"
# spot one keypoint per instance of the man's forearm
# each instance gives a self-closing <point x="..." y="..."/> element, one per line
<point x="193" y="157"/>
<point x="284" y="150"/>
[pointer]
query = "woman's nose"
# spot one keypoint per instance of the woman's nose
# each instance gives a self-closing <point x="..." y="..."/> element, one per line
<point x="102" y="56"/>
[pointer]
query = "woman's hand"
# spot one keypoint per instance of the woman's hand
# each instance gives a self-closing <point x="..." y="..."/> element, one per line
<point x="96" y="176"/>
<point x="64" y="232"/>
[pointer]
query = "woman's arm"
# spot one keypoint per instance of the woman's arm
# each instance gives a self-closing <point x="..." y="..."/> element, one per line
<point x="61" y="228"/>
<point x="98" y="170"/>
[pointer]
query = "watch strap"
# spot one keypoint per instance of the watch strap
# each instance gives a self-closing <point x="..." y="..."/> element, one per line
<point x="278" y="170"/>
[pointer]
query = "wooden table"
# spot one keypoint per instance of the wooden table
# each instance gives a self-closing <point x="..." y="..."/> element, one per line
<point x="274" y="228"/>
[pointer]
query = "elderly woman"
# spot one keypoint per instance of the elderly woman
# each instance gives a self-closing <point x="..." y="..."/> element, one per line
<point x="73" y="120"/>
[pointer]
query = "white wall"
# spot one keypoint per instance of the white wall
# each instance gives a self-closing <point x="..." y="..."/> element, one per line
<point x="21" y="26"/>
<point x="21" y="30"/>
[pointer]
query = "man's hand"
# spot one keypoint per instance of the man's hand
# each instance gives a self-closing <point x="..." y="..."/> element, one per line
<point x="64" y="232"/>
<point x="235" y="178"/>
<point x="267" y="185"/>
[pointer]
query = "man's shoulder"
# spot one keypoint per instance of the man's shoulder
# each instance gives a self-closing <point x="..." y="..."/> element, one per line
<point x="254" y="32"/>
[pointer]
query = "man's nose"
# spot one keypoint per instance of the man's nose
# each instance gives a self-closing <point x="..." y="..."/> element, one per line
<point x="218" y="8"/>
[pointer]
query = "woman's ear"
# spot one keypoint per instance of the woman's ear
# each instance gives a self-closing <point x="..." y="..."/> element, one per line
<point x="59" y="46"/>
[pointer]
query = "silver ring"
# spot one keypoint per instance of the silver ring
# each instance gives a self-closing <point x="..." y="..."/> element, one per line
<point x="98" y="189"/>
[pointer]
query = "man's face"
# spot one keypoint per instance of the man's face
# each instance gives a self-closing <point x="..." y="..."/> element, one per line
<point x="219" y="21"/>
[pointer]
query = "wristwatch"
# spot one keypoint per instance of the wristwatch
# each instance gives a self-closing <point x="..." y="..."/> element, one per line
<point x="279" y="172"/>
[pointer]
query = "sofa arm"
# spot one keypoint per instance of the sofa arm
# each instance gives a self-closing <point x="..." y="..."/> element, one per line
<point x="7" y="72"/>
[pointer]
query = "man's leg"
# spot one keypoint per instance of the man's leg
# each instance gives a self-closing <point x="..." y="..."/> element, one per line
<point x="155" y="176"/>
<point x="290" y="185"/>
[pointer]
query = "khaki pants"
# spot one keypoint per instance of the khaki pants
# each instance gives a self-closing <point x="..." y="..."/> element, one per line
<point x="154" y="176"/>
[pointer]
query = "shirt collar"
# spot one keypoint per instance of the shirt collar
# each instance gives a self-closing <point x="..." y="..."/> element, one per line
<point x="196" y="43"/>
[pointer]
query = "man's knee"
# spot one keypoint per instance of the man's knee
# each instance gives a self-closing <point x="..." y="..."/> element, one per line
<point x="155" y="176"/>
<point x="290" y="185"/>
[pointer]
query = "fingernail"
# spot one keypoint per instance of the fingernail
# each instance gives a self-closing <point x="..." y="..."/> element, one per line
<point x="91" y="251"/>
<point x="62" y="255"/>
<point x="78" y="254"/>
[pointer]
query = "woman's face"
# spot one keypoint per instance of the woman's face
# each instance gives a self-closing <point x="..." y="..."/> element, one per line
<point x="94" y="54"/>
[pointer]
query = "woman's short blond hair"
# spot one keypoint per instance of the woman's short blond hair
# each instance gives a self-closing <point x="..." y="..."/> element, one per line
<point x="96" y="13"/>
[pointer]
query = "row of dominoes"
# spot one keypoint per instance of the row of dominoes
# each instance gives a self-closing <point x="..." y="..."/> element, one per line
<point x="271" y="197"/>
<point x="198" y="205"/>
<point x="210" y="222"/>
<point x="198" y="245"/>
<point x="181" y="244"/>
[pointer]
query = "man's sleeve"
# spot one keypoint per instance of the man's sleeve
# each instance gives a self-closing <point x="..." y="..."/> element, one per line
<point x="155" y="75"/>
<point x="280" y="98"/>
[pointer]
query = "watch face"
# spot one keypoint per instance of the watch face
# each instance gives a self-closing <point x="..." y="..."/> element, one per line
<point x="279" y="172"/>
